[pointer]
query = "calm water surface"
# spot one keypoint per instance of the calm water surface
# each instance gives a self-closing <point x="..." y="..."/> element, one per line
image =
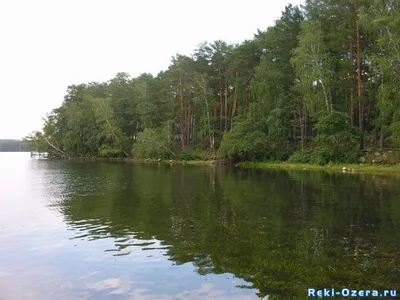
<point x="97" y="230"/>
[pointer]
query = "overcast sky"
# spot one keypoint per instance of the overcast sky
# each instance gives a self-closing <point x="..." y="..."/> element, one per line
<point x="46" y="45"/>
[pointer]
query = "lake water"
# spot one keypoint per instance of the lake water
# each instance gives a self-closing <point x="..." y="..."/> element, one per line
<point x="99" y="230"/>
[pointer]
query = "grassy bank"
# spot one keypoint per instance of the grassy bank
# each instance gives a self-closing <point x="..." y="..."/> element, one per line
<point x="350" y="168"/>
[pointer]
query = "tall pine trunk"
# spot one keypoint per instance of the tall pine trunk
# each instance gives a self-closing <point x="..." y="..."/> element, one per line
<point x="352" y="86"/>
<point x="188" y="129"/>
<point x="220" y="98"/>
<point x="182" y="119"/>
<point x="359" y="78"/>
<point x="234" y="101"/>
<point x="226" y="107"/>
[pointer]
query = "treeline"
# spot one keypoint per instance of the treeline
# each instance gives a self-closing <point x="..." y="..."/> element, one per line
<point x="9" y="145"/>
<point x="317" y="86"/>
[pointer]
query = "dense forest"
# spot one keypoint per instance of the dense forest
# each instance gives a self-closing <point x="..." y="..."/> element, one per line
<point x="318" y="86"/>
<point x="9" y="145"/>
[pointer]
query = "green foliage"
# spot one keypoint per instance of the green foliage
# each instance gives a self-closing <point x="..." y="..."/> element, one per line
<point x="187" y="154"/>
<point x="152" y="143"/>
<point x="273" y="81"/>
<point x="303" y="157"/>
<point x="337" y="140"/>
<point x="279" y="127"/>
<point x="313" y="67"/>
<point x="203" y="154"/>
<point x="108" y="151"/>
<point x="111" y="136"/>
<point x="395" y="129"/>
<point x="244" y="142"/>
<point x="35" y="142"/>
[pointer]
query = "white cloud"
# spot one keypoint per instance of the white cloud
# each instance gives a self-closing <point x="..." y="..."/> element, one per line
<point x="47" y="45"/>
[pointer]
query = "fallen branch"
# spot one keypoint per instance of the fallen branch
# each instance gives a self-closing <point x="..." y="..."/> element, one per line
<point x="55" y="147"/>
<point x="169" y="150"/>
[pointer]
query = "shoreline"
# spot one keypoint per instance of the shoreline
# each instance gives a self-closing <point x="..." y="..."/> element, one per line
<point x="136" y="160"/>
<point x="344" y="168"/>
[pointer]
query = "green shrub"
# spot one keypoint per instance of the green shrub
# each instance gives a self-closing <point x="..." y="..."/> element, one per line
<point x="337" y="140"/>
<point x="394" y="129"/>
<point x="303" y="157"/>
<point x="152" y="143"/>
<point x="203" y="154"/>
<point x="322" y="155"/>
<point x="108" y="151"/>
<point x="243" y="142"/>
<point x="187" y="154"/>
